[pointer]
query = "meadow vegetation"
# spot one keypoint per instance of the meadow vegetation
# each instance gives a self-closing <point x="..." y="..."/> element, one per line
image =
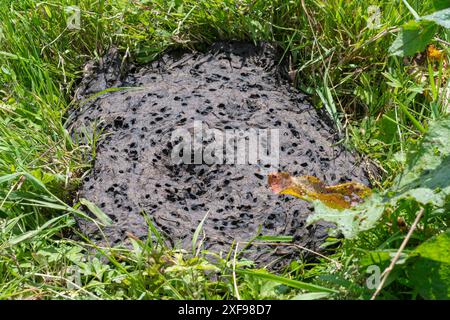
<point x="390" y="102"/>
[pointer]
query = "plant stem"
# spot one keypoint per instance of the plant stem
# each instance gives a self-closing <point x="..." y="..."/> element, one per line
<point x="397" y="255"/>
<point x="413" y="12"/>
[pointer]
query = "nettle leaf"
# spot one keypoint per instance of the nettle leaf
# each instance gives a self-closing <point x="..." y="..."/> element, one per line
<point x="436" y="248"/>
<point x="350" y="221"/>
<point x="427" y="175"/>
<point x="441" y="4"/>
<point x="381" y="258"/>
<point x="430" y="279"/>
<point x="441" y="18"/>
<point x="412" y="38"/>
<point x="341" y="196"/>
<point x="430" y="274"/>
<point x="426" y="179"/>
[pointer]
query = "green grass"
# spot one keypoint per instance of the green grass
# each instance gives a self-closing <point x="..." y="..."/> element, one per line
<point x="378" y="105"/>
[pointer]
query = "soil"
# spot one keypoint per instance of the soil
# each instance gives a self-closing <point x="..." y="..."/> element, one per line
<point x="231" y="86"/>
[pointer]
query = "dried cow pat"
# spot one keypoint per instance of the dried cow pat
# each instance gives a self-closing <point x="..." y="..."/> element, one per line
<point x="145" y="166"/>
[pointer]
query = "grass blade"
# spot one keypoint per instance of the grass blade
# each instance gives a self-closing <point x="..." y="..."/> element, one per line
<point x="101" y="216"/>
<point x="288" y="282"/>
<point x="197" y="233"/>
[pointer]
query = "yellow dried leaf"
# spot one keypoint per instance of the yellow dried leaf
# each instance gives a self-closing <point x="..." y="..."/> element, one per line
<point x="341" y="196"/>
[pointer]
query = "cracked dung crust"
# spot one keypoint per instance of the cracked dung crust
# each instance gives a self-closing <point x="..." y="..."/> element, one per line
<point x="233" y="85"/>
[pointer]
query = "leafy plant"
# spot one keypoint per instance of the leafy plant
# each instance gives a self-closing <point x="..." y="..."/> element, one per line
<point x="415" y="35"/>
<point x="424" y="182"/>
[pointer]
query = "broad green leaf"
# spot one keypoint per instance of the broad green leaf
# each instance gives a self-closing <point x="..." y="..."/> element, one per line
<point x="382" y="258"/>
<point x="101" y="216"/>
<point x="441" y="4"/>
<point x="431" y="279"/>
<point x="388" y="127"/>
<point x="413" y="38"/>
<point x="436" y="248"/>
<point x="426" y="177"/>
<point x="350" y="221"/>
<point x="441" y="17"/>
<point x="377" y="257"/>
<point x="430" y="274"/>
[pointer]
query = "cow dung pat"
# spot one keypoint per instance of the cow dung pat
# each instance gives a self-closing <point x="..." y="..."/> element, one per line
<point x="233" y="86"/>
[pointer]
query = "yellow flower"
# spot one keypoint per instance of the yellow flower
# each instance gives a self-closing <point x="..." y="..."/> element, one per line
<point x="434" y="54"/>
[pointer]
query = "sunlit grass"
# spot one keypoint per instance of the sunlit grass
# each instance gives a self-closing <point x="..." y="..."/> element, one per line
<point x="378" y="105"/>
